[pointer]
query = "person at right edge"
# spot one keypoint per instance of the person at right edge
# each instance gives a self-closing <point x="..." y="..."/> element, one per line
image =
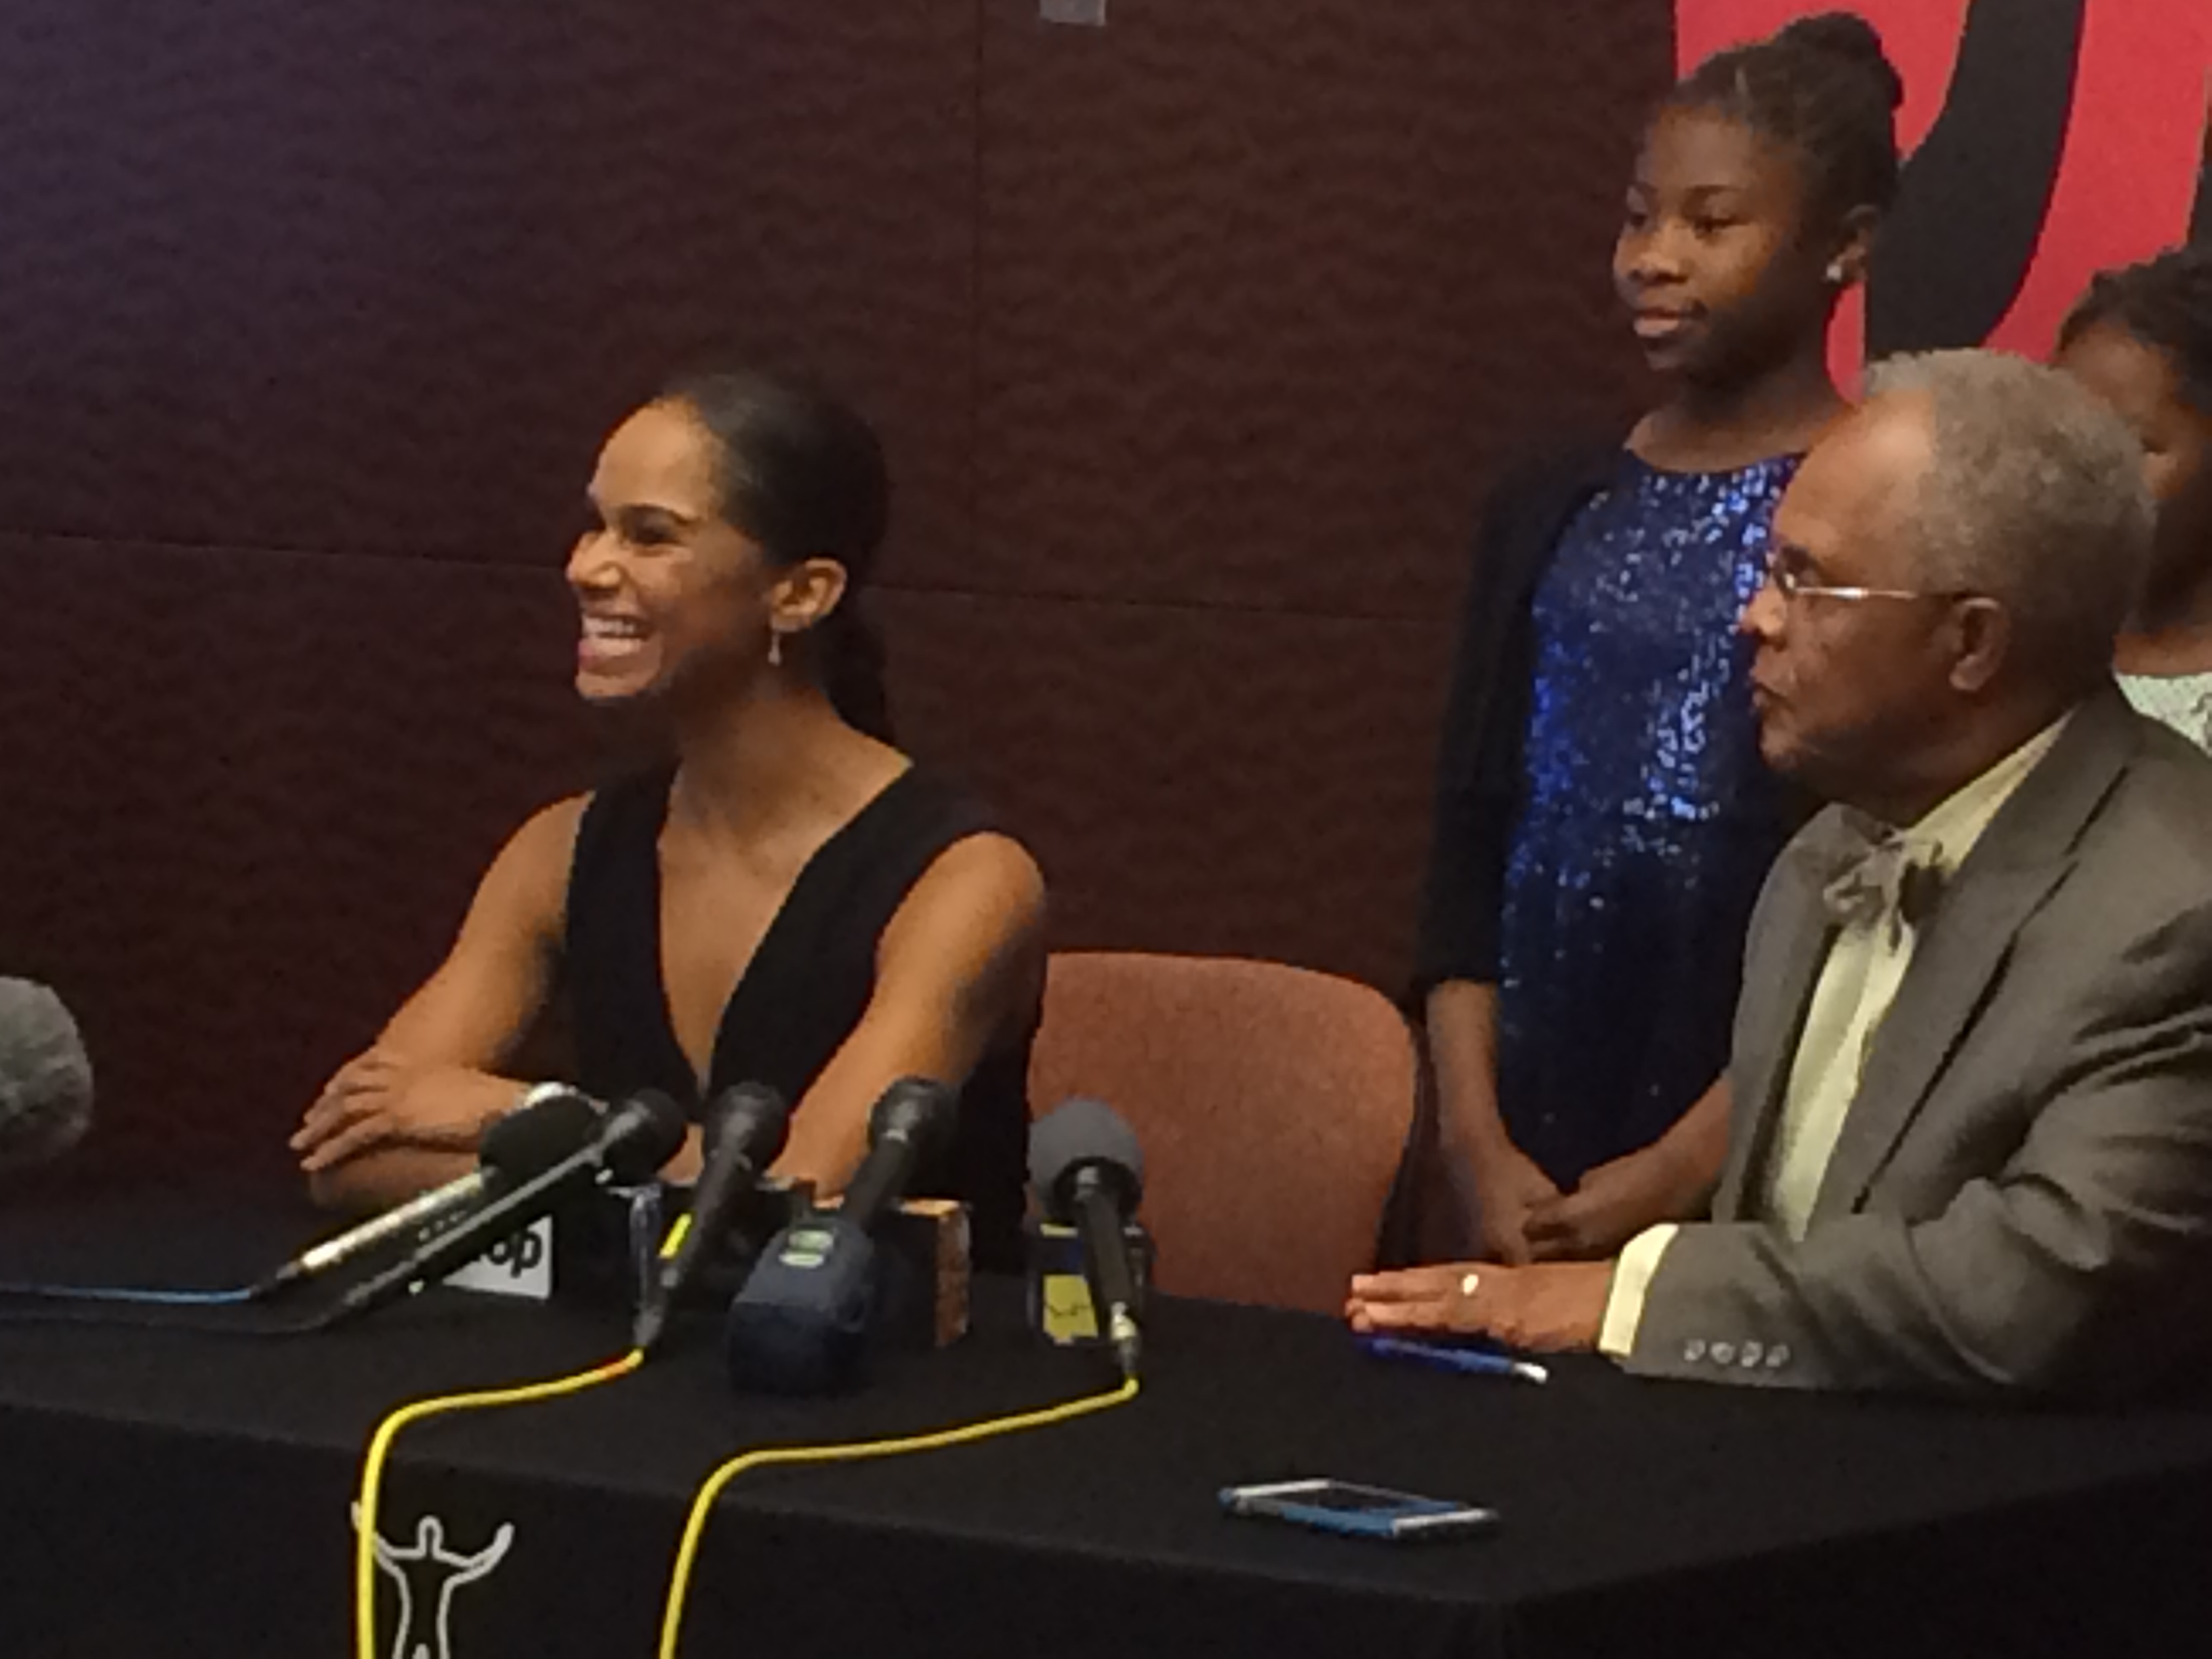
<point x="1603" y="819"/>
<point x="2141" y="340"/>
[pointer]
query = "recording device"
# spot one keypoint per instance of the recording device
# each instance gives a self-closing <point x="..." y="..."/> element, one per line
<point x="745" y="1129"/>
<point x="45" y="1077"/>
<point x="631" y="1143"/>
<point x="799" y="1325"/>
<point x="1088" y="1172"/>
<point x="1357" y="1511"/>
<point x="553" y="1121"/>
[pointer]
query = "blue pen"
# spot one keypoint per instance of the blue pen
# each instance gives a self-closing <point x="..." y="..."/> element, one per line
<point x="1472" y="1362"/>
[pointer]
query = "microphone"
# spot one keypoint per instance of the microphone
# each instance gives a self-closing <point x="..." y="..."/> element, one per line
<point x="745" y="1129"/>
<point x="1088" y="1171"/>
<point x="632" y="1142"/>
<point x="912" y="1116"/>
<point x="799" y="1324"/>
<point x="552" y="1121"/>
<point x="45" y="1077"/>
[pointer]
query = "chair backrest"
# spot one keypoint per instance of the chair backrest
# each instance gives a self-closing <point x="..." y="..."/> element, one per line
<point x="1271" y="1103"/>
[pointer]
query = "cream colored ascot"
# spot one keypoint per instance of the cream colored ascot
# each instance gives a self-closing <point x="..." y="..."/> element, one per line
<point x="1890" y="876"/>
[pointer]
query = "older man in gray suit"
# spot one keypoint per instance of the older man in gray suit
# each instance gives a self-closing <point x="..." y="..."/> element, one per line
<point x="1971" y="1147"/>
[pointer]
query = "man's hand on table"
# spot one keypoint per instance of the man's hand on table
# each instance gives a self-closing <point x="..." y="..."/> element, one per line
<point x="1548" y="1307"/>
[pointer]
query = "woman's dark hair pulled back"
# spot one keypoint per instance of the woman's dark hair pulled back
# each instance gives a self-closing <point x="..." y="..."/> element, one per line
<point x="803" y="476"/>
<point x="1823" y="87"/>
<point x="2164" y="302"/>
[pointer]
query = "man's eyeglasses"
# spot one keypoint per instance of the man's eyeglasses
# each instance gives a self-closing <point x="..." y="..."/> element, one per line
<point x="1790" y="580"/>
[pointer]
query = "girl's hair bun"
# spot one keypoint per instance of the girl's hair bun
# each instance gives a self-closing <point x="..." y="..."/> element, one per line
<point x="1848" y="36"/>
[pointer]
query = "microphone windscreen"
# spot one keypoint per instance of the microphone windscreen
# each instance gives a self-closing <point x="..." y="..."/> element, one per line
<point x="45" y="1076"/>
<point x="757" y="1114"/>
<point x="552" y="1125"/>
<point x="1082" y="1133"/>
<point x="920" y="1109"/>
<point x="641" y="1134"/>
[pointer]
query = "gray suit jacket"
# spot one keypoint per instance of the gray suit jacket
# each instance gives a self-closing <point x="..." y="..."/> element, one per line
<point x="2021" y="1194"/>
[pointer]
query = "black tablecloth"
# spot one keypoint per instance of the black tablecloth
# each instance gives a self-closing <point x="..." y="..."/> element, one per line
<point x="177" y="1493"/>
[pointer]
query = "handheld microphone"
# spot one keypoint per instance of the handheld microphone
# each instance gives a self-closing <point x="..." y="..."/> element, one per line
<point x="1088" y="1171"/>
<point x="633" y="1141"/>
<point x="912" y="1116"/>
<point x="45" y="1077"/>
<point x="799" y="1324"/>
<point x="552" y="1121"/>
<point x="744" y="1130"/>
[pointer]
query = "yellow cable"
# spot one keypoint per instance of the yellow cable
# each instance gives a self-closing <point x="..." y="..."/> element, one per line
<point x="380" y="1449"/>
<point x="372" y="1472"/>
<point x="849" y="1452"/>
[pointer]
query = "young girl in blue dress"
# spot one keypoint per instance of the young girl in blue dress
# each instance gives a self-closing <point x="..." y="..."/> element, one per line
<point x="1603" y="819"/>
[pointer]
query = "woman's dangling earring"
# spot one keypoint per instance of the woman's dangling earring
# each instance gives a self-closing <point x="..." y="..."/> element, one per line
<point x="775" y="648"/>
<point x="1836" y="272"/>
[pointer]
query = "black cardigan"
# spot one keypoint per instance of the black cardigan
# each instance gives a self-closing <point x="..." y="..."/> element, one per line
<point x="1479" y="759"/>
<point x="1480" y="778"/>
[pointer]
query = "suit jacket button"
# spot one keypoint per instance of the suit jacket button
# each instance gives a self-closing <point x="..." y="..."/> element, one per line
<point x="1778" y="1356"/>
<point x="1748" y="1355"/>
<point x="1724" y="1353"/>
<point x="1693" y="1350"/>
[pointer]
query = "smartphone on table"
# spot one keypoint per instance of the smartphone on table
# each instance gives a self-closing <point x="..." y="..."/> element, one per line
<point x="1357" y="1511"/>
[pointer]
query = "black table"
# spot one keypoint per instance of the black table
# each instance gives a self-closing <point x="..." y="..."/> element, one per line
<point x="174" y="1493"/>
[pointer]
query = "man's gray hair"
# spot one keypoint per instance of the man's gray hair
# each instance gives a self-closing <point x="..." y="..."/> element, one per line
<point x="2035" y="496"/>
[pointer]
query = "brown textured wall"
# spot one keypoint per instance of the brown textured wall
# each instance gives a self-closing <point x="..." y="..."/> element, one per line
<point x="1265" y="291"/>
<point x="1192" y="340"/>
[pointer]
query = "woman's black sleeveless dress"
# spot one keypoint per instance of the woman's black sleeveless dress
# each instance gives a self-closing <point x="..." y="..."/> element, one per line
<point x="805" y="988"/>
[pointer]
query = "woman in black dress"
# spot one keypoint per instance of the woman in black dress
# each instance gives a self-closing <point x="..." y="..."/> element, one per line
<point x="790" y="901"/>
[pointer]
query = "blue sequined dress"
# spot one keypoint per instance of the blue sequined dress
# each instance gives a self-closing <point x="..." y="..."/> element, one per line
<point x="1648" y="818"/>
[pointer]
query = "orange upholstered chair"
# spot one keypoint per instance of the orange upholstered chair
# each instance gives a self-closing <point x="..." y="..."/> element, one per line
<point x="1271" y="1103"/>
